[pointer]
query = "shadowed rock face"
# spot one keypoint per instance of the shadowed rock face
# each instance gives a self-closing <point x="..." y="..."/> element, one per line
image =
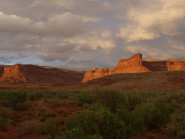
<point x="135" y="64"/>
<point x="32" y="74"/>
<point x="1" y="71"/>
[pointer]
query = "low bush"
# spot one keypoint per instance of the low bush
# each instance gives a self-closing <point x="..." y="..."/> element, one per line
<point x="31" y="127"/>
<point x="52" y="127"/>
<point x="110" y="98"/>
<point x="54" y="102"/>
<point x="78" y="133"/>
<point x="35" y="95"/>
<point x="3" y="123"/>
<point x="84" y="98"/>
<point x="98" y="120"/>
<point x="177" y="127"/>
<point x="6" y="113"/>
<point x="131" y="121"/>
<point x="13" y="98"/>
<point x="51" y="93"/>
<point x="132" y="101"/>
<point x="152" y="116"/>
<point x="179" y="97"/>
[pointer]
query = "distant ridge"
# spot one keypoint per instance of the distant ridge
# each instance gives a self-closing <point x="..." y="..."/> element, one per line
<point x="34" y="74"/>
<point x="135" y="64"/>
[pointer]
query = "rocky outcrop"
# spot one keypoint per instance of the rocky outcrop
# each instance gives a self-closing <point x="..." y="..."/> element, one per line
<point x="1" y="70"/>
<point x="131" y="65"/>
<point x="135" y="64"/>
<point x="33" y="74"/>
<point x="14" y="74"/>
<point x="176" y="65"/>
<point x="97" y="73"/>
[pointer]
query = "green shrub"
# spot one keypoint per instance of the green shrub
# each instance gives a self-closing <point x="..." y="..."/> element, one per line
<point x="177" y="127"/>
<point x="35" y="95"/>
<point x="132" y="101"/>
<point x="179" y="97"/>
<point x="133" y="126"/>
<point x="51" y="127"/>
<point x="78" y="134"/>
<point x="31" y="127"/>
<point x="151" y="116"/>
<point x="54" y="102"/>
<point x="3" y="123"/>
<point x="110" y="98"/>
<point x="21" y="107"/>
<point x="84" y="98"/>
<point x="50" y="93"/>
<point x="74" y="134"/>
<point x="49" y="137"/>
<point x="13" y="98"/>
<point x="6" y="113"/>
<point x="98" y="120"/>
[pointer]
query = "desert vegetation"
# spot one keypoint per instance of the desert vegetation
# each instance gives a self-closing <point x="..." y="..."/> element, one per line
<point x="91" y="114"/>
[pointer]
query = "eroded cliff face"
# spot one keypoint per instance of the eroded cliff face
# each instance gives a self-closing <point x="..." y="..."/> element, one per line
<point x="33" y="74"/>
<point x="131" y="65"/>
<point x="13" y="74"/>
<point x="176" y="65"/>
<point x="135" y="64"/>
<point x="97" y="73"/>
<point x="1" y="71"/>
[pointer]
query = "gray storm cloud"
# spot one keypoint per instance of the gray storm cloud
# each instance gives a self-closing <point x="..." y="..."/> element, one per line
<point x="88" y="33"/>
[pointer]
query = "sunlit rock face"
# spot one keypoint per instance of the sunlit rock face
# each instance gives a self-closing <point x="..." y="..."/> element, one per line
<point x="97" y="73"/>
<point x="33" y="74"/>
<point x="135" y="64"/>
<point x="131" y="65"/>
<point x="176" y="65"/>
<point x="14" y="74"/>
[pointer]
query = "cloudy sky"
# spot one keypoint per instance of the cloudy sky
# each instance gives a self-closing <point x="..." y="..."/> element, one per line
<point x="81" y="34"/>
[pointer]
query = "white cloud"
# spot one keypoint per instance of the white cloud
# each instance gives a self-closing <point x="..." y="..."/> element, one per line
<point x="149" y="52"/>
<point x="64" y="25"/>
<point x="92" y="42"/>
<point x="132" y="33"/>
<point x="160" y="16"/>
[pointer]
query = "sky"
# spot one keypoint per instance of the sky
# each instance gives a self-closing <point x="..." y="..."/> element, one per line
<point x="82" y="34"/>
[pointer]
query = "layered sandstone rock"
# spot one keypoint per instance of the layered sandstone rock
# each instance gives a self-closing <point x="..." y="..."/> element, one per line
<point x="131" y="65"/>
<point x="176" y="65"/>
<point x="97" y="73"/>
<point x="135" y="64"/>
<point x="32" y="74"/>
<point x="13" y="74"/>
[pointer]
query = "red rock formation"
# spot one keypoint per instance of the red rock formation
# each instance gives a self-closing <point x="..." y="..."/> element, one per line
<point x="32" y="74"/>
<point x="131" y="65"/>
<point x="14" y="74"/>
<point x="156" y="65"/>
<point x="1" y="71"/>
<point x="135" y="64"/>
<point x="176" y="65"/>
<point x="97" y="73"/>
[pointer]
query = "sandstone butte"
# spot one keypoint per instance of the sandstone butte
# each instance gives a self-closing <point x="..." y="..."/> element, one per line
<point x="135" y="64"/>
<point x="33" y="74"/>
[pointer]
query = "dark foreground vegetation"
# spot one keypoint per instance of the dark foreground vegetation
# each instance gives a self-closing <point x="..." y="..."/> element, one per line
<point x="92" y="114"/>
